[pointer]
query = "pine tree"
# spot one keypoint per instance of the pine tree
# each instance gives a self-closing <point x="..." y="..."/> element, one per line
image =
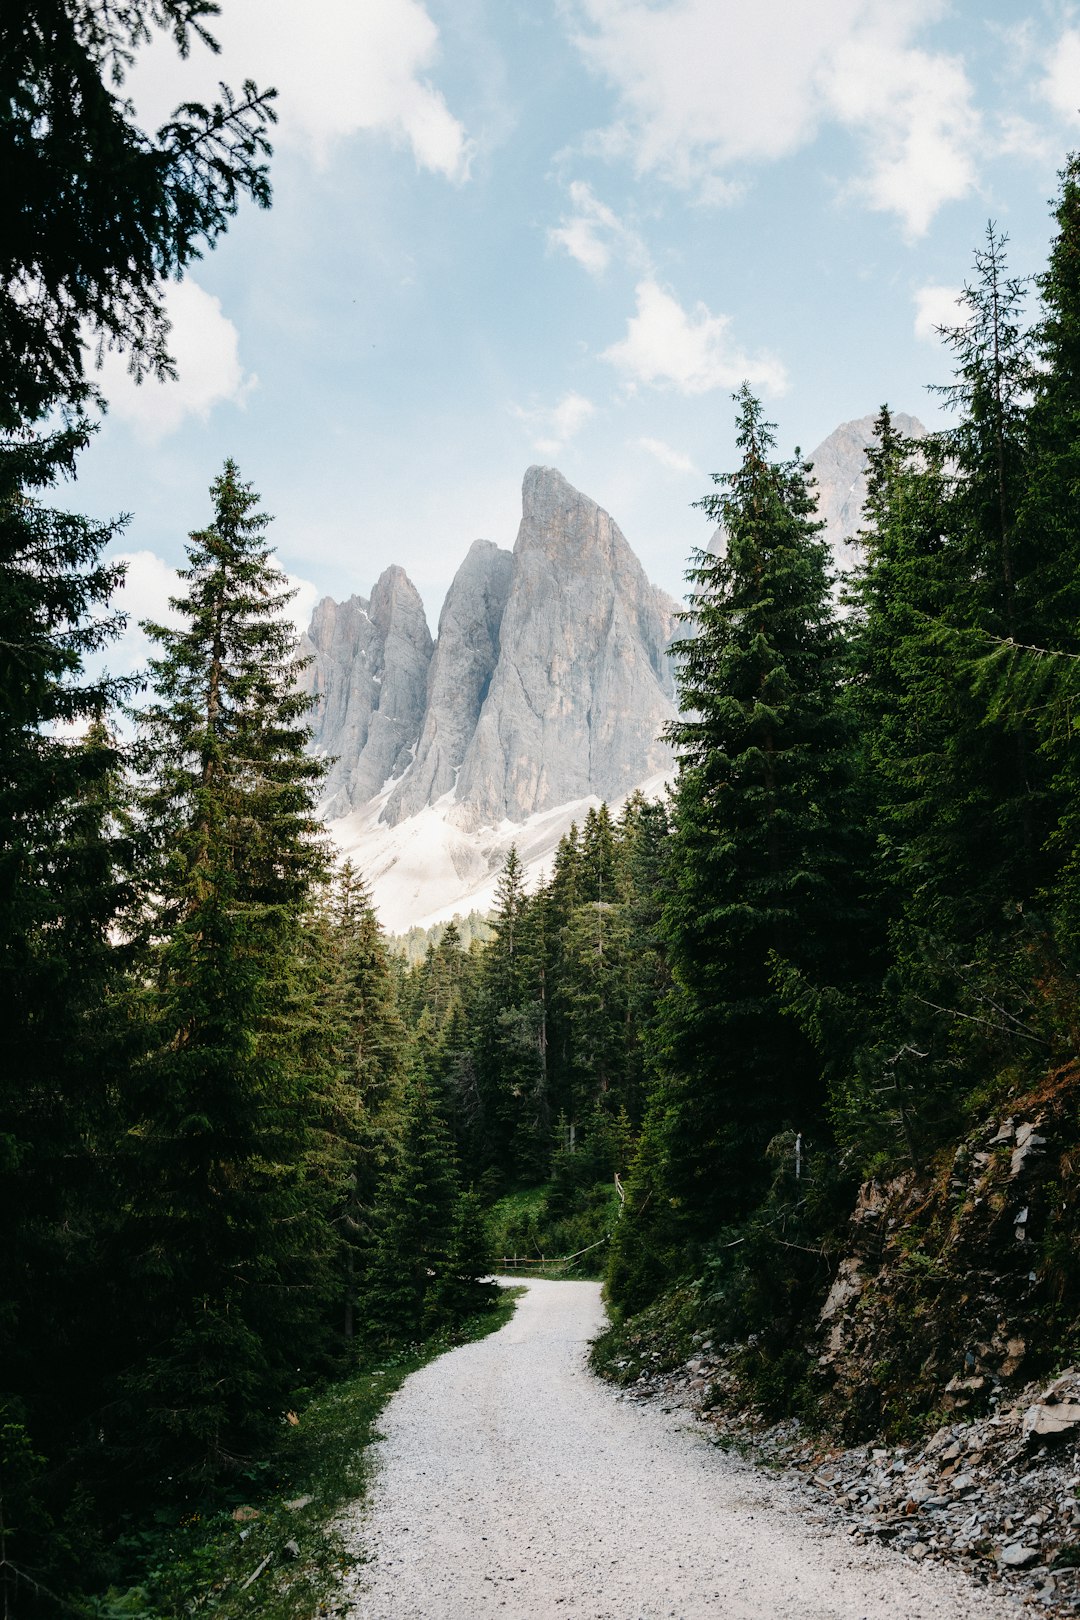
<point x="987" y="455"/>
<point x="955" y="794"/>
<point x="1048" y="589"/>
<point x="229" y="1262"/>
<point x="63" y="894"/>
<point x="644" y="833"/>
<point x="419" y="1220"/>
<point x="97" y="215"/>
<point x="351" y="1044"/>
<point x="511" y="1047"/>
<point x="558" y="898"/>
<point x="763" y="841"/>
<point x="463" y="1286"/>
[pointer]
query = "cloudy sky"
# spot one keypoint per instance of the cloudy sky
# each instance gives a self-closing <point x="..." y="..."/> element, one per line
<point x="508" y="231"/>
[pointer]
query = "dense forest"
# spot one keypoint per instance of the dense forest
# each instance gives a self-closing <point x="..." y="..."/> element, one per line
<point x="245" y="1143"/>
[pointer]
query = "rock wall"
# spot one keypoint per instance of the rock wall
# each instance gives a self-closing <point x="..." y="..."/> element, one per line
<point x="582" y="688"/>
<point x="459" y="678"/>
<point x="367" y="667"/>
<point x="550" y="681"/>
<point x="839" y="464"/>
<point x="955" y="1287"/>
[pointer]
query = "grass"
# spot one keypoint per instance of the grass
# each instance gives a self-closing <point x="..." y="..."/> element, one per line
<point x="523" y="1224"/>
<point x="282" y="1559"/>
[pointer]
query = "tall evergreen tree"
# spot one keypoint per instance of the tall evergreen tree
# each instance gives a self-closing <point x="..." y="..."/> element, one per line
<point x="223" y="1251"/>
<point x="63" y="892"/>
<point x="762" y="841"/>
<point x="511" y="1048"/>
<point x="420" y="1215"/>
<point x="1048" y="590"/>
<point x="351" y="1044"/>
<point x="957" y="796"/>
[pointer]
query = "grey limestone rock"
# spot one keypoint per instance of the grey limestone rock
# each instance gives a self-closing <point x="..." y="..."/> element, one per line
<point x="368" y="670"/>
<point x="550" y="680"/>
<point x="583" y="686"/>
<point x="459" y="677"/>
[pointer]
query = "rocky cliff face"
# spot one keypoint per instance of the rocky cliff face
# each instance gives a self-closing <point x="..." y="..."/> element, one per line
<point x="549" y="682"/>
<point x="368" y="669"/>
<point x="459" y="678"/>
<point x="549" y="687"/>
<point x="839" y="464"/>
<point x="582" y="687"/>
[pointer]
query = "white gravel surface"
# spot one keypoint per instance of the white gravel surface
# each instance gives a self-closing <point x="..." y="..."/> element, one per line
<point x="512" y="1482"/>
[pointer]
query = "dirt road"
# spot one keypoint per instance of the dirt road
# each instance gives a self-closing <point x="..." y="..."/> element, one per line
<point x="513" y="1483"/>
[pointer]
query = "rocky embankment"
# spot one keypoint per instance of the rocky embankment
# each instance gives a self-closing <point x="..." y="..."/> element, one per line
<point x="999" y="1495"/>
<point x="941" y="1421"/>
<point x="509" y="1483"/>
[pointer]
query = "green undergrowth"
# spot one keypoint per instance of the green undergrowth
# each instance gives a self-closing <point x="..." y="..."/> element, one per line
<point x="769" y="1382"/>
<point x="558" y="1219"/>
<point x="273" y="1553"/>
<point x="656" y="1340"/>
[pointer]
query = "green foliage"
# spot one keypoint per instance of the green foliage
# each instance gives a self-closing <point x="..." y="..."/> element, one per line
<point x="199" y="1556"/>
<point x="423" y="1236"/>
<point x="763" y="856"/>
<point x="235" y="1126"/>
<point x="64" y="887"/>
<point x="657" y="1339"/>
<point x="98" y="214"/>
<point x="222" y="1243"/>
<point x="462" y="1283"/>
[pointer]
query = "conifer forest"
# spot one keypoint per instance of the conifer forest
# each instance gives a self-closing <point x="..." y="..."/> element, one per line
<point x="248" y="1146"/>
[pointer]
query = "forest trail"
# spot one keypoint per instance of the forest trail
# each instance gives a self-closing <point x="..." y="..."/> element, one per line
<point x="511" y="1482"/>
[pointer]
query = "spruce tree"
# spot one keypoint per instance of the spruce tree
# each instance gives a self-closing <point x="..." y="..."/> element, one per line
<point x="1048" y="586"/>
<point x="511" y="1045"/>
<point x="956" y="797"/>
<point x="463" y="1285"/>
<point x="903" y="696"/>
<point x="350" y="1044"/>
<point x="64" y="891"/>
<point x="419" y="1219"/>
<point x="643" y="834"/>
<point x="98" y="214"/>
<point x="763" y="842"/>
<point x="229" y="1261"/>
<point x="1048" y="589"/>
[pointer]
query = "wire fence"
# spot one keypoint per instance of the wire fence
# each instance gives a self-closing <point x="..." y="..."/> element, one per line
<point x="524" y="1262"/>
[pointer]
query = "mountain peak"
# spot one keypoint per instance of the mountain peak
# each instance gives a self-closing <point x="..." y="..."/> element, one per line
<point x="839" y="464"/>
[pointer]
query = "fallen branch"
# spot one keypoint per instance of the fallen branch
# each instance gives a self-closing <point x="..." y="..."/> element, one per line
<point x="256" y="1572"/>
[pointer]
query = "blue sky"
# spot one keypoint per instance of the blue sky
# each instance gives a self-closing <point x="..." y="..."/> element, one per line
<point x="563" y="231"/>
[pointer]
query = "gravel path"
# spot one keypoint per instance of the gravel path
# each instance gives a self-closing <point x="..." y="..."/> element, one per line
<point x="511" y="1482"/>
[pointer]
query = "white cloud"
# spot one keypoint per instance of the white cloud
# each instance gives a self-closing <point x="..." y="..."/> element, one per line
<point x="703" y="88"/>
<point x="915" y="115"/>
<point x="340" y="67"/>
<point x="206" y="347"/>
<point x="554" y="426"/>
<point x="936" y="306"/>
<point x="1017" y="136"/>
<point x="666" y="346"/>
<point x="673" y="460"/>
<point x="1060" y="85"/>
<point x="303" y="603"/>
<point x="593" y="233"/>
<point x="148" y="584"/>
